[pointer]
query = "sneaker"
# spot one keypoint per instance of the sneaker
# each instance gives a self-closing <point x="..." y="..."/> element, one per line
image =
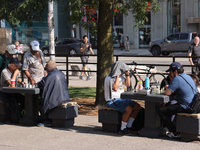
<point x="44" y="124"/>
<point x="81" y="77"/>
<point x="88" y="78"/>
<point x="172" y="135"/>
<point x="132" y="129"/>
<point x="124" y="132"/>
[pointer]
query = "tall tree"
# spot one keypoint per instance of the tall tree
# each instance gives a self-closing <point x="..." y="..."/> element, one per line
<point x="18" y="11"/>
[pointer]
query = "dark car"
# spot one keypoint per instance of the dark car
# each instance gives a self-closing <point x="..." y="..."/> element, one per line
<point x="65" y="46"/>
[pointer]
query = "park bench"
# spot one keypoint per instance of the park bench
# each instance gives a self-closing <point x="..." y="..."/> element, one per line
<point x="64" y="114"/>
<point x="110" y="119"/>
<point x="188" y="125"/>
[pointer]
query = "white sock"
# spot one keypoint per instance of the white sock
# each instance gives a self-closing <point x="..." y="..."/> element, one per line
<point x="123" y="125"/>
<point x="130" y="122"/>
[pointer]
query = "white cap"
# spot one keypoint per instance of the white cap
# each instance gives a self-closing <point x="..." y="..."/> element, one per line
<point x="35" y="45"/>
<point x="11" y="49"/>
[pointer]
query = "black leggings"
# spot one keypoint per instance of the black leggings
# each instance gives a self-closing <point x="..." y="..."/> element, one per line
<point x="166" y="113"/>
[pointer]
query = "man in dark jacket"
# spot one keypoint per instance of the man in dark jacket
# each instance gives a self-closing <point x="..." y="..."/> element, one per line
<point x="54" y="90"/>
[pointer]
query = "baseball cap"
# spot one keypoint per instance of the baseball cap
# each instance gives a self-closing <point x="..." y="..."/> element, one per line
<point x="174" y="66"/>
<point x="51" y="64"/>
<point x="35" y="45"/>
<point x="11" y="49"/>
<point x="15" y="61"/>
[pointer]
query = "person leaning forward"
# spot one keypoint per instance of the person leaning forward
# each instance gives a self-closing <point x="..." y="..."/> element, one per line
<point x="194" y="50"/>
<point x="8" y="99"/>
<point x="113" y="87"/>
<point x="54" y="91"/>
<point x="185" y="97"/>
<point x="34" y="63"/>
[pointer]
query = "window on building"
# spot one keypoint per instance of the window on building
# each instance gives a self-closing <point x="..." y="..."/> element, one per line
<point x="173" y="16"/>
<point x="118" y="19"/>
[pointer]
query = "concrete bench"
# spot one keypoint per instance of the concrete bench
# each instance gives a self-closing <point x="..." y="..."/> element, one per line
<point x="63" y="115"/>
<point x="110" y="119"/>
<point x="1" y="112"/>
<point x="188" y="125"/>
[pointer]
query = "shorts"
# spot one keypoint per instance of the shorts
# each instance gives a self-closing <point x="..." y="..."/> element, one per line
<point x="120" y="104"/>
<point x="84" y="60"/>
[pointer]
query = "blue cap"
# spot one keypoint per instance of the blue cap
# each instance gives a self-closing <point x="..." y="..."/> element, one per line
<point x="15" y="61"/>
<point x="174" y="66"/>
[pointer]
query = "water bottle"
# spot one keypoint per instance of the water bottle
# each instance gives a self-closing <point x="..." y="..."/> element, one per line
<point x="147" y="83"/>
<point x="140" y="85"/>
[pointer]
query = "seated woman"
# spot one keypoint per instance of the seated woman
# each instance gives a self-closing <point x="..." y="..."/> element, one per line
<point x="53" y="90"/>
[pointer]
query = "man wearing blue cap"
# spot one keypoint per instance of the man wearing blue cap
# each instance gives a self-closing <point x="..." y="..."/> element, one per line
<point x="185" y="96"/>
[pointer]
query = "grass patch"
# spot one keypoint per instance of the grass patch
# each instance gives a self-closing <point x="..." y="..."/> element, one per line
<point x="85" y="92"/>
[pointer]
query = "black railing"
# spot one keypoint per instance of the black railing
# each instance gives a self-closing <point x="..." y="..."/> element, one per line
<point x="67" y="62"/>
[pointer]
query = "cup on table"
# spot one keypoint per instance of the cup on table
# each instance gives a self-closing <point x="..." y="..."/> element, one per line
<point x="12" y="83"/>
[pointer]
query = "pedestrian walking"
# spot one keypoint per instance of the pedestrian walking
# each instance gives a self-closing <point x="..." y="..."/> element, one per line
<point x="194" y="50"/>
<point x="85" y="48"/>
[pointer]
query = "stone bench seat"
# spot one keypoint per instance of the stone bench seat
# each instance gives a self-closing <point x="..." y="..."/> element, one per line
<point x="110" y="119"/>
<point x="64" y="114"/>
<point x="188" y="125"/>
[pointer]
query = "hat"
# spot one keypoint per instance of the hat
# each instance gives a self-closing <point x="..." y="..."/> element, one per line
<point x="35" y="45"/>
<point x="15" y="61"/>
<point x="174" y="66"/>
<point x="51" y="64"/>
<point x="11" y="49"/>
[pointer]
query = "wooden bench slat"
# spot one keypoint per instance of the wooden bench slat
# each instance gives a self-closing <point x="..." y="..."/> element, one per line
<point x="68" y="104"/>
<point x="189" y="115"/>
<point x="106" y="108"/>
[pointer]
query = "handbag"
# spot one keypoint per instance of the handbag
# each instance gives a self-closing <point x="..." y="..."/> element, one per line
<point x="195" y="108"/>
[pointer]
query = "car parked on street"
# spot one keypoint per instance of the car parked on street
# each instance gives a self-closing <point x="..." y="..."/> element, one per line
<point x="65" y="46"/>
<point x="176" y="42"/>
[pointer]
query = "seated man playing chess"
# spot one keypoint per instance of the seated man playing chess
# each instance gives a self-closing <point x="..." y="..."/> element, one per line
<point x="11" y="102"/>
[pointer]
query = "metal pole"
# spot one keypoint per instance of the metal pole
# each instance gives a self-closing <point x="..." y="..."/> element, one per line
<point x="51" y="30"/>
<point x="67" y="77"/>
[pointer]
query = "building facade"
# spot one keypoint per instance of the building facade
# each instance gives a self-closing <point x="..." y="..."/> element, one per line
<point x="172" y="18"/>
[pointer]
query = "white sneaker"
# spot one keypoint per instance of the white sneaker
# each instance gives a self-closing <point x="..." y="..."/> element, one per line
<point x="172" y="135"/>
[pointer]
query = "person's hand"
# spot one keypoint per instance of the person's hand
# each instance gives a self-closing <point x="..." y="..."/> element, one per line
<point x="87" y="45"/>
<point x="23" y="83"/>
<point x="127" y="73"/>
<point x="33" y="81"/>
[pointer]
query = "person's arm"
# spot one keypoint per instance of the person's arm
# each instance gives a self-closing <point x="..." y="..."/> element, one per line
<point x="168" y="92"/>
<point x="173" y="86"/>
<point x="82" y="49"/>
<point x="15" y="75"/>
<point x="29" y="76"/>
<point x="116" y="84"/>
<point x="91" y="51"/>
<point x="190" y="59"/>
<point x="127" y="82"/>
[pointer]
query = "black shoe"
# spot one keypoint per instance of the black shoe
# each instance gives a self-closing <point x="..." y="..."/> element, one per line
<point x="124" y="132"/>
<point x="132" y="129"/>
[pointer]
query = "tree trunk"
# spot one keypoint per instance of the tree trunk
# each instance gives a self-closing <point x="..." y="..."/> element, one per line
<point x="104" y="46"/>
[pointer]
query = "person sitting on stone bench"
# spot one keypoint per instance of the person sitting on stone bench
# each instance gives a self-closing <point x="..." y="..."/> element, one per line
<point x="113" y="87"/>
<point x="54" y="91"/>
<point x="183" y="92"/>
<point x="12" y="103"/>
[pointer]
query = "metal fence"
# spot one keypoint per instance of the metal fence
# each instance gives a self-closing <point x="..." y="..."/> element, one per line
<point x="67" y="62"/>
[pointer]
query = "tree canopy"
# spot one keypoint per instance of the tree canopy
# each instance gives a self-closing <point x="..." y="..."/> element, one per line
<point x="16" y="12"/>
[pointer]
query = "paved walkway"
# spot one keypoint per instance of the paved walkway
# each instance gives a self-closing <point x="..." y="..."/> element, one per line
<point x="86" y="134"/>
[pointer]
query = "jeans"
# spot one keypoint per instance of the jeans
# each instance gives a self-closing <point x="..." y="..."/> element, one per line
<point x="166" y="113"/>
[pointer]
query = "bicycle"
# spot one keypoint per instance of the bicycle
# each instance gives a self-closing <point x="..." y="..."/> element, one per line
<point x="154" y="79"/>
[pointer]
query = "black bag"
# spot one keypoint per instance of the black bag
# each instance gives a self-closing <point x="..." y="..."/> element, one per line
<point x="195" y="108"/>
